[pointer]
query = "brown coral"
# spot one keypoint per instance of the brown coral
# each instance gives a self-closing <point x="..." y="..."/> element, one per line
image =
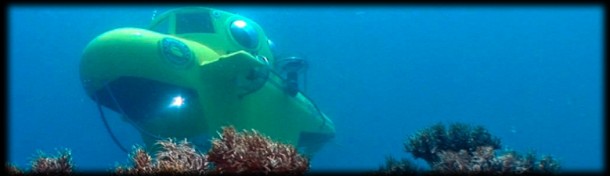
<point x="176" y="158"/>
<point x="233" y="152"/>
<point x="142" y="164"/>
<point x="60" y="164"/>
<point x="398" y="167"/>
<point x="254" y="153"/>
<point x="181" y="156"/>
<point x="12" y="169"/>
<point x="427" y="143"/>
<point x="483" y="160"/>
<point x="465" y="149"/>
<point x="453" y="162"/>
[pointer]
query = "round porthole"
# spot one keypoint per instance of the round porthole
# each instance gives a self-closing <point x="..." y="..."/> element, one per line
<point x="244" y="34"/>
<point x="176" y="52"/>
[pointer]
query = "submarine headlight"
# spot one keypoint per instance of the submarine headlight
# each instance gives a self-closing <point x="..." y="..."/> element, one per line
<point x="177" y="102"/>
<point x="244" y="34"/>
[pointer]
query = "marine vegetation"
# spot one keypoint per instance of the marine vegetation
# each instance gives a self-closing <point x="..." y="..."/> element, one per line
<point x="59" y="164"/>
<point x="463" y="149"/>
<point x="428" y="142"/>
<point x="233" y="152"/>
<point x="173" y="157"/>
<point x="399" y="167"/>
<point x="252" y="152"/>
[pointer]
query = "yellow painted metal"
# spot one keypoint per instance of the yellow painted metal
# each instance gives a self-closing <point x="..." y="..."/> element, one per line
<point x="218" y="73"/>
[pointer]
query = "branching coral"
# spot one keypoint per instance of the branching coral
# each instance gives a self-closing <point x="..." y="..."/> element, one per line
<point x="483" y="160"/>
<point x="12" y="169"/>
<point x="480" y="161"/>
<point x="173" y="157"/>
<point x="180" y="157"/>
<point x="453" y="162"/>
<point x="468" y="150"/>
<point x="142" y="163"/>
<point x="428" y="142"/>
<point x="252" y="152"/>
<point x="233" y="152"/>
<point x="398" y="167"/>
<point x="60" y="164"/>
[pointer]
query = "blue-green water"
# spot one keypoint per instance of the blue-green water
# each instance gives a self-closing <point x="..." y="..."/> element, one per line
<point x="531" y="75"/>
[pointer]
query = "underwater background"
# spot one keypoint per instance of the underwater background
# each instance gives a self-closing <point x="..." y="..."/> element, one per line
<point x="532" y="75"/>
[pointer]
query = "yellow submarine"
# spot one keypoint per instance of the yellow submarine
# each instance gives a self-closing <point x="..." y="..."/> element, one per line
<point x="196" y="69"/>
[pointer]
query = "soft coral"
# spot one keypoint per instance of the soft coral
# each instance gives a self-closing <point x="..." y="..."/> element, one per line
<point x="250" y="151"/>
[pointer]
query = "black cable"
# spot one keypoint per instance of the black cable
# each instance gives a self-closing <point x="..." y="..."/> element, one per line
<point x="114" y="138"/>
<point x="116" y="141"/>
<point x="134" y="124"/>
